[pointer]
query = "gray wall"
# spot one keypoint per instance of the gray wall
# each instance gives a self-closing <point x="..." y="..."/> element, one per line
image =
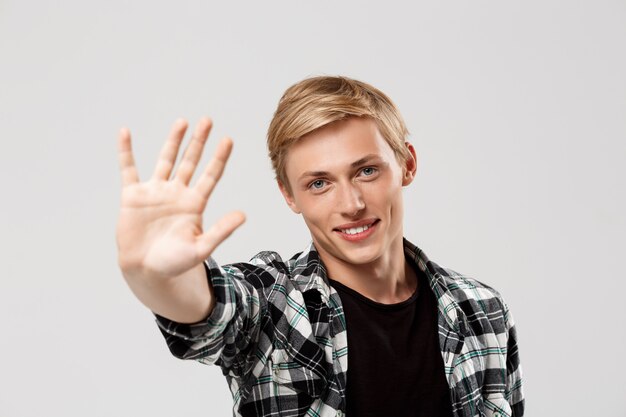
<point x="516" y="110"/>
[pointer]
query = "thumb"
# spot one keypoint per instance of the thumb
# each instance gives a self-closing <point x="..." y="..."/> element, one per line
<point x="212" y="238"/>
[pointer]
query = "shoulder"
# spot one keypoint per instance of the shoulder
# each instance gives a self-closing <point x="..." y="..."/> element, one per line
<point x="271" y="261"/>
<point x="471" y="295"/>
<point x="452" y="287"/>
<point x="263" y="270"/>
<point x="304" y="270"/>
<point x="467" y="286"/>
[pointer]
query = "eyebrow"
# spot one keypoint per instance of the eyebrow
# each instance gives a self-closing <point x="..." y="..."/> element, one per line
<point x="365" y="159"/>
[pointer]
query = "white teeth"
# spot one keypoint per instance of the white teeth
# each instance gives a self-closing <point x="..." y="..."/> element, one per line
<point x="355" y="230"/>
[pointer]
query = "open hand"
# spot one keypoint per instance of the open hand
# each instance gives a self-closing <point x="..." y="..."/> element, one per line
<point x="159" y="230"/>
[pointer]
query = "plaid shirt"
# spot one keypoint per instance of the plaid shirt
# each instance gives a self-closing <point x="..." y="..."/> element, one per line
<point x="278" y="333"/>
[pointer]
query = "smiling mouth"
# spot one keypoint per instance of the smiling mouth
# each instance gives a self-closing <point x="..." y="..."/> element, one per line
<point x="354" y="231"/>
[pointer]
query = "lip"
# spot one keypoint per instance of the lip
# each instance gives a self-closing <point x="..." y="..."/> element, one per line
<point x="372" y="223"/>
<point x="364" y="222"/>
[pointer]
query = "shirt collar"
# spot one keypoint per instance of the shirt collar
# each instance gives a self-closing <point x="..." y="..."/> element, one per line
<point x="309" y="273"/>
<point x="440" y="282"/>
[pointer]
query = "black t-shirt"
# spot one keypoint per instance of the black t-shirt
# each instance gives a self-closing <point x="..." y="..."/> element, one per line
<point x="395" y="366"/>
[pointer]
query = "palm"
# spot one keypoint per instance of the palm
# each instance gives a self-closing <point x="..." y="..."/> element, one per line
<point x="162" y="219"/>
<point x="160" y="231"/>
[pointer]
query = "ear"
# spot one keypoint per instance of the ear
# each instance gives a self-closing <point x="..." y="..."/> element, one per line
<point x="410" y="166"/>
<point x="288" y="197"/>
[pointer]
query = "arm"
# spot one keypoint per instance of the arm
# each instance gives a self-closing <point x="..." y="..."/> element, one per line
<point x="229" y="335"/>
<point x="160" y="238"/>
<point x="514" y="388"/>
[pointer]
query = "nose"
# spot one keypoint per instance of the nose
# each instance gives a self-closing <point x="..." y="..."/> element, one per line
<point x="351" y="202"/>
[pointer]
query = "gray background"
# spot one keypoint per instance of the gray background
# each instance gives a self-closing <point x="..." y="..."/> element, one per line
<point x="516" y="110"/>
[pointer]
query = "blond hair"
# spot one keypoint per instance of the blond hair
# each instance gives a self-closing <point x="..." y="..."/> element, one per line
<point x="315" y="102"/>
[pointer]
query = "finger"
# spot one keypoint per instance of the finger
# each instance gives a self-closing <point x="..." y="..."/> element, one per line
<point x="127" y="162"/>
<point x="167" y="157"/>
<point x="213" y="172"/>
<point x="193" y="152"/>
<point x="211" y="239"/>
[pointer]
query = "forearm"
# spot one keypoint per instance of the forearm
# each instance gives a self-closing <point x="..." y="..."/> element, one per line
<point x="187" y="298"/>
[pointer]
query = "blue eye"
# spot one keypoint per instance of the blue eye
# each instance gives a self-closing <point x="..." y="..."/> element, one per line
<point x="317" y="184"/>
<point x="369" y="171"/>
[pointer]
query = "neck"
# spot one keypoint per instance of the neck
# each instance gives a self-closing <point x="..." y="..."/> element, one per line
<point x="389" y="279"/>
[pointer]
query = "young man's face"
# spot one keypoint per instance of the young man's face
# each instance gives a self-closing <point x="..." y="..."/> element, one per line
<point x="347" y="182"/>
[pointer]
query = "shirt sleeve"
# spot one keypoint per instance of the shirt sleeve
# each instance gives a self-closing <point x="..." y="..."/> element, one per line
<point x="514" y="388"/>
<point x="228" y="335"/>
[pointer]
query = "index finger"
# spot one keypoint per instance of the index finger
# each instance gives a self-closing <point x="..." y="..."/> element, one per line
<point x="126" y="159"/>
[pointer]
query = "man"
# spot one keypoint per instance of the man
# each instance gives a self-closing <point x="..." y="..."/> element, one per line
<point x="361" y="322"/>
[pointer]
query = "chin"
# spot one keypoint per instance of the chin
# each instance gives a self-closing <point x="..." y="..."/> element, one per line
<point x="361" y="256"/>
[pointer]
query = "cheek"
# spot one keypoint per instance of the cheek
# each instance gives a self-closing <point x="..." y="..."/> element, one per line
<point x="315" y="210"/>
<point x="383" y="194"/>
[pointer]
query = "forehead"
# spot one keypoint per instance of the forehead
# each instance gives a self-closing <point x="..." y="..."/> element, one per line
<point x="336" y="146"/>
